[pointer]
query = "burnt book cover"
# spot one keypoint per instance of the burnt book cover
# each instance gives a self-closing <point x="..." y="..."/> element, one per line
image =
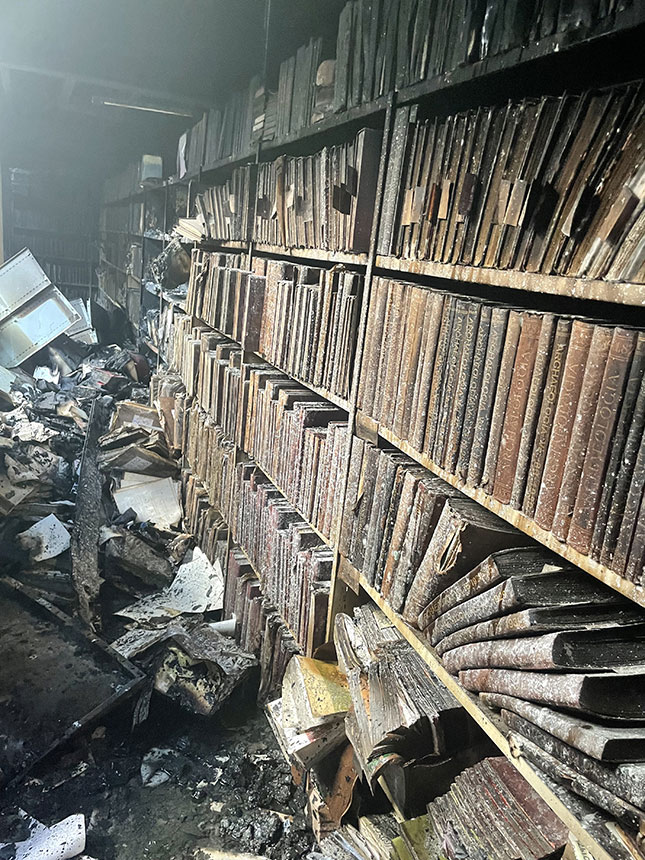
<point x="524" y="590"/>
<point x="417" y="417"/>
<point x="531" y="415"/>
<point x="400" y="527"/>
<point x="516" y="406"/>
<point x="563" y="421"/>
<point x="474" y="385"/>
<point x="351" y="496"/>
<point x="465" y="534"/>
<point x="486" y="395"/>
<point x="438" y="373"/>
<point x="600" y="436"/>
<point x="449" y="380"/>
<point x="494" y="568"/>
<point x="410" y="350"/>
<point x="602" y="695"/>
<point x="618" y="442"/>
<point x="430" y="497"/>
<point x="587" y="403"/>
<point x="456" y="422"/>
<point x="557" y="359"/>
<point x="364" y="506"/>
<point x="505" y="374"/>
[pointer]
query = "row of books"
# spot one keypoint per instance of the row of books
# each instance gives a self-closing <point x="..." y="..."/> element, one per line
<point x="292" y="561"/>
<point x="300" y="439"/>
<point x="408" y="532"/>
<point x="297" y="88"/>
<point x="561" y="657"/>
<point x="226" y="211"/>
<point x="382" y="45"/>
<point x="224" y="132"/>
<point x="553" y="185"/>
<point x="210" y="452"/>
<point x="302" y="319"/>
<point x="259" y="629"/>
<point x="204" y="521"/>
<point x="224" y="294"/>
<point x="309" y="323"/>
<point x="543" y="411"/>
<point x="387" y="44"/>
<point x="323" y="201"/>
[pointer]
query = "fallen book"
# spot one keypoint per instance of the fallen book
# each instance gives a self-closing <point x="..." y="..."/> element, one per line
<point x="609" y="648"/>
<point x="543" y="619"/>
<point x="603" y="695"/>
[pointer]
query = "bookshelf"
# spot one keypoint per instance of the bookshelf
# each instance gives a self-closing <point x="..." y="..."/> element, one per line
<point x="511" y="73"/>
<point x="33" y="203"/>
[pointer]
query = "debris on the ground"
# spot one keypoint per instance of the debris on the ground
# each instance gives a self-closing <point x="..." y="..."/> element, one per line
<point x="201" y="668"/>
<point x="46" y="539"/>
<point x="62" y="841"/>
<point x="56" y="680"/>
<point x="131" y="553"/>
<point x="154" y="500"/>
<point x="198" y="587"/>
<point x="153" y="771"/>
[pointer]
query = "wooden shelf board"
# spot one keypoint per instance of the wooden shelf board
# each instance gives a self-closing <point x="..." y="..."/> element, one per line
<point x="489" y="722"/>
<point x="523" y="523"/>
<point x="333" y="121"/>
<point x="229" y="161"/>
<point x="223" y="244"/>
<point x="560" y="285"/>
<point x="323" y="538"/>
<point x="321" y="392"/>
<point x="151" y="346"/>
<point x="312" y="254"/>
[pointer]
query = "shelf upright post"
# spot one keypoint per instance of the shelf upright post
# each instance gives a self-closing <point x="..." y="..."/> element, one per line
<point x="344" y="596"/>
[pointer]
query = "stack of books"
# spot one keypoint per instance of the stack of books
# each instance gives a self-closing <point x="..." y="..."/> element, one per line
<point x="323" y="201"/>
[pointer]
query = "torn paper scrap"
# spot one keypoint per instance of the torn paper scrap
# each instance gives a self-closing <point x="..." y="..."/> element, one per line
<point x="198" y="587"/>
<point x="46" y="539"/>
<point x="60" y="842"/>
<point x="155" y="500"/>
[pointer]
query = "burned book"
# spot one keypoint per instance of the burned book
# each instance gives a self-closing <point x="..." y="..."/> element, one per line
<point x="625" y="780"/>
<point x="611" y="648"/>
<point x="612" y="696"/>
<point x="552" y="588"/>
<point x="491" y="808"/>
<point x="493" y="569"/>
<point x="605" y="742"/>
<point x="401" y="710"/>
<point x="544" y="619"/>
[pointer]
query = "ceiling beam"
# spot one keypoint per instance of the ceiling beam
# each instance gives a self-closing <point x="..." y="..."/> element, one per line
<point x="129" y="91"/>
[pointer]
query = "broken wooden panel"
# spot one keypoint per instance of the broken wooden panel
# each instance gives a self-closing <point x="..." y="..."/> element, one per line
<point x="85" y="539"/>
<point x="57" y="681"/>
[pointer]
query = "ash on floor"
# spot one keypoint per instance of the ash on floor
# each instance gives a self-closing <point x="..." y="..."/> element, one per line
<point x="176" y="784"/>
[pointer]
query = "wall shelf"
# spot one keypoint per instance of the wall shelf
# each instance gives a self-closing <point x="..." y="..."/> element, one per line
<point x="558" y="285"/>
